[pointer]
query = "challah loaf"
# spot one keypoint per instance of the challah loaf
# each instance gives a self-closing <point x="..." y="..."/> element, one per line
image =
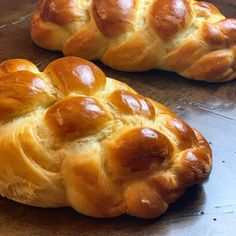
<point x="69" y="136"/>
<point x="185" y="36"/>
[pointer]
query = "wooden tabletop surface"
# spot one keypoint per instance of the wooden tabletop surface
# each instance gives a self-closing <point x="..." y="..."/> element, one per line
<point x="208" y="209"/>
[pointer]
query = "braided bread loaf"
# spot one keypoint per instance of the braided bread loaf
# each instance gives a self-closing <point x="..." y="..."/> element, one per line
<point x="185" y="36"/>
<point x="69" y="136"/>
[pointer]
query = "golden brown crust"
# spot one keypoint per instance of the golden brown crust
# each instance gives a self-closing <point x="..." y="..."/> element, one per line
<point x="14" y="65"/>
<point x="95" y="194"/>
<point x="45" y="34"/>
<point x="69" y="136"/>
<point x="213" y="36"/>
<point x="183" y="36"/>
<point x="132" y="104"/>
<point x="193" y="166"/>
<point x="167" y="17"/>
<point x="142" y="199"/>
<point x="20" y="92"/>
<point x="234" y="55"/>
<point x="183" y="132"/>
<point x="112" y="16"/>
<point x="77" y="75"/>
<point x="228" y="28"/>
<point x="221" y="34"/>
<point x="76" y="117"/>
<point x="167" y="186"/>
<point x="130" y="54"/>
<point x="216" y="64"/>
<point x="88" y="43"/>
<point x="59" y="12"/>
<point x="136" y="151"/>
<point x="206" y="9"/>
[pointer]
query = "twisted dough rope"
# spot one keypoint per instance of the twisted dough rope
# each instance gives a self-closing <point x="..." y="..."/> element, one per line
<point x="188" y="37"/>
<point x="69" y="136"/>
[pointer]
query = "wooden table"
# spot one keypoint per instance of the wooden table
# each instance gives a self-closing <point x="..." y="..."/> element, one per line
<point x="209" y="209"/>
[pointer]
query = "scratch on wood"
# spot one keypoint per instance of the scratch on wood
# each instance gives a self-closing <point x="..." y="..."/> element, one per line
<point x="216" y="113"/>
<point x="205" y="213"/>
<point x="2" y="27"/>
<point x="223" y="206"/>
<point x="22" y="18"/>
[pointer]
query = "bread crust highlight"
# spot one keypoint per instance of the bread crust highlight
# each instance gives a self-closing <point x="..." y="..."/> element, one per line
<point x="70" y="136"/>
<point x="188" y="37"/>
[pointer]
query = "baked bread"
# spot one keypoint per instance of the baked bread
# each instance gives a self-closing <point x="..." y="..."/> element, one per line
<point x="69" y="136"/>
<point x="185" y="36"/>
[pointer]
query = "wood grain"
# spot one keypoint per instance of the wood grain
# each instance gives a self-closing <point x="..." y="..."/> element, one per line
<point x="209" y="209"/>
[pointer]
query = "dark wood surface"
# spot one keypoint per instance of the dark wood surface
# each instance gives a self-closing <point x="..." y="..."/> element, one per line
<point x="209" y="209"/>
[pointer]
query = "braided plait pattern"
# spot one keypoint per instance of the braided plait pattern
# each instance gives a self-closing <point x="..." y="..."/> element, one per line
<point x="69" y="136"/>
<point x="185" y="36"/>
